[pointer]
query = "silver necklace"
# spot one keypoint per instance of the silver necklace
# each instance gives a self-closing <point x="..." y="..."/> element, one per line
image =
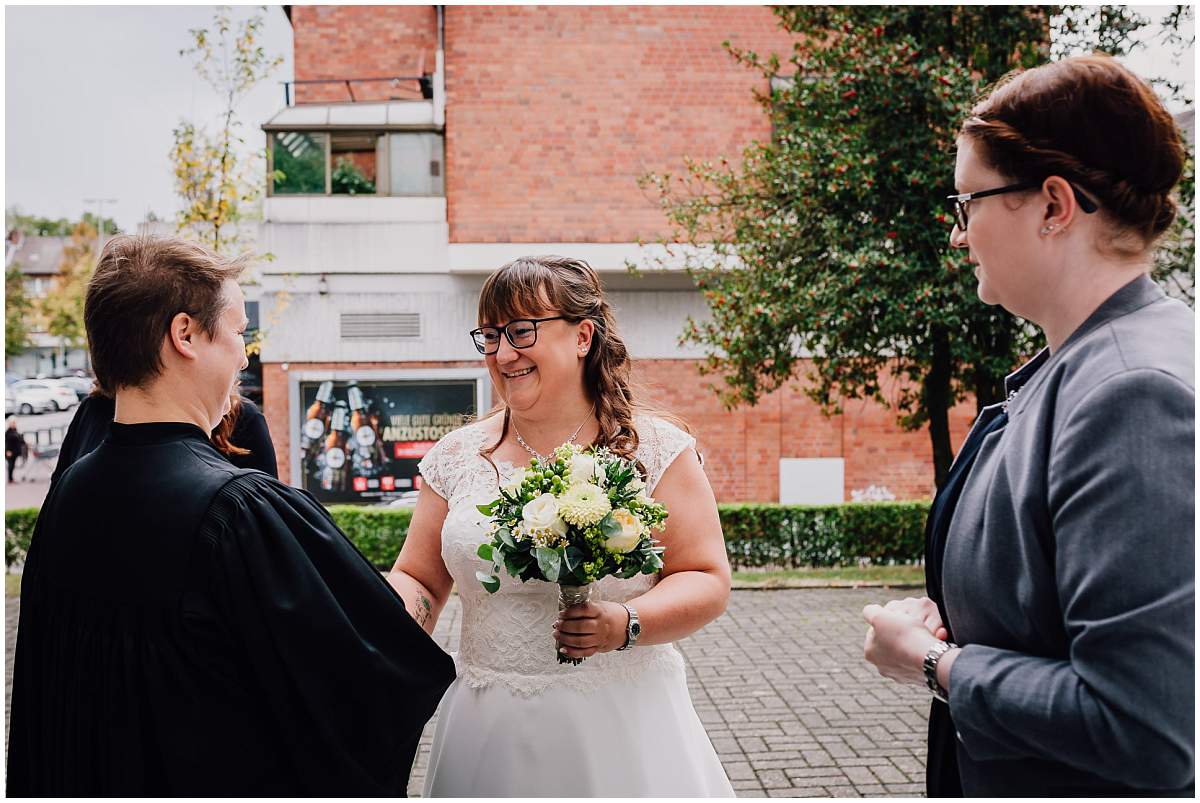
<point x="538" y="454"/>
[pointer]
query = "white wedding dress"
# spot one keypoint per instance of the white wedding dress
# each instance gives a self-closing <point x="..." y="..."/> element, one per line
<point x="516" y="723"/>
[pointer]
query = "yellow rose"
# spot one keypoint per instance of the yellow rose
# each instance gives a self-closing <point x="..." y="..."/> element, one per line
<point x="630" y="535"/>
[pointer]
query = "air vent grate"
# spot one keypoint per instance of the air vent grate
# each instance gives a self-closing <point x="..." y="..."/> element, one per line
<point x="380" y="325"/>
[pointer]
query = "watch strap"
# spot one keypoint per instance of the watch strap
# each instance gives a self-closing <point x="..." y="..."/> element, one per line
<point x="632" y="628"/>
<point x="930" y="666"/>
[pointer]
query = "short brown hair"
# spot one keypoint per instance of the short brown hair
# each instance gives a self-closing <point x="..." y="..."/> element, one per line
<point x="140" y="285"/>
<point x="1095" y="124"/>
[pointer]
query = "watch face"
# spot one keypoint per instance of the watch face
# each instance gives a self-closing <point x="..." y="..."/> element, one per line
<point x="635" y="629"/>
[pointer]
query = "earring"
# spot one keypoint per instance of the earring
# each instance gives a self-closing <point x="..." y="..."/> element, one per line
<point x="1049" y="227"/>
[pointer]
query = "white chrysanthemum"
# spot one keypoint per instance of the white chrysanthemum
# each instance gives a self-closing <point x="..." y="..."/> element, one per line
<point x="584" y="504"/>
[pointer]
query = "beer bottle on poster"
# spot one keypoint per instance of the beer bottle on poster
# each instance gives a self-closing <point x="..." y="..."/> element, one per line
<point x="317" y="417"/>
<point x="365" y="436"/>
<point x="333" y="478"/>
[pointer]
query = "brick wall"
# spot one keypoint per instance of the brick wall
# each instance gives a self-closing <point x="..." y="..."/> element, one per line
<point x="361" y="42"/>
<point x="742" y="448"/>
<point x="552" y="114"/>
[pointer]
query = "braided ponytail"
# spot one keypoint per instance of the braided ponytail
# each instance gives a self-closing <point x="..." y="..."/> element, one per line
<point x="1095" y="124"/>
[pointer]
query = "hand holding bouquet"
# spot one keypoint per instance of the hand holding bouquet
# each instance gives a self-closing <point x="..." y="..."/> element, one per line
<point x="581" y="516"/>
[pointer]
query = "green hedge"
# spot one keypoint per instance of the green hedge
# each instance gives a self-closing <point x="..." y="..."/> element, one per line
<point x="792" y="536"/>
<point x="18" y="529"/>
<point x="378" y="532"/>
<point x="756" y="535"/>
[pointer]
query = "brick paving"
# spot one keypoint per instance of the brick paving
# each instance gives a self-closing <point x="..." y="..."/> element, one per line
<point x="782" y="689"/>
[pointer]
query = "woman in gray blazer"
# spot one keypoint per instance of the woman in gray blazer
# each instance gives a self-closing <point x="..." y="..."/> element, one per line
<point x="1059" y="626"/>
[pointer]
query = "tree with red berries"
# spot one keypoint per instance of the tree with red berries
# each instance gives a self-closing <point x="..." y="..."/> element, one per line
<point x="825" y="252"/>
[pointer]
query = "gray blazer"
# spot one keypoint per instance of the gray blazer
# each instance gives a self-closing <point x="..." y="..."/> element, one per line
<point x="1069" y="573"/>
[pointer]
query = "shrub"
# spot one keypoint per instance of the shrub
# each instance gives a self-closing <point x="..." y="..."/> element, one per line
<point x="18" y="529"/>
<point x="769" y="535"/>
<point x="378" y="532"/>
<point x="756" y="535"/>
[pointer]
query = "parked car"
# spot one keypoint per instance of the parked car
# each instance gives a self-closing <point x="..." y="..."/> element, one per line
<point x="61" y="396"/>
<point x="82" y="385"/>
<point x="29" y="397"/>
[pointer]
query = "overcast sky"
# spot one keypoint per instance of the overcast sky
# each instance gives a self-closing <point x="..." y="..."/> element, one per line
<point x="92" y="94"/>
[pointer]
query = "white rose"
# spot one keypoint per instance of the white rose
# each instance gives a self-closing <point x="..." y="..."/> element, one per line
<point x="630" y="535"/>
<point x="583" y="469"/>
<point x="513" y="487"/>
<point x="542" y="514"/>
<point x="642" y="499"/>
<point x="636" y="483"/>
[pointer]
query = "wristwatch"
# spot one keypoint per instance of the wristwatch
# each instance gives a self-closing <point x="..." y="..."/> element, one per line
<point x="930" y="666"/>
<point x="632" y="630"/>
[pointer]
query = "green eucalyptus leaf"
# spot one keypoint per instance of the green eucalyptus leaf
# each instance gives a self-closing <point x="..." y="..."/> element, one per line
<point x="550" y="562"/>
<point x="505" y="535"/>
<point x="484" y="551"/>
<point x="490" y="583"/>
<point x="609" y="526"/>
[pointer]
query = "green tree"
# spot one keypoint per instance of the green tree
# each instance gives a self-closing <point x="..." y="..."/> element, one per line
<point x="824" y="252"/>
<point x="18" y="309"/>
<point x="216" y="183"/>
<point x="62" y="308"/>
<point x="36" y="226"/>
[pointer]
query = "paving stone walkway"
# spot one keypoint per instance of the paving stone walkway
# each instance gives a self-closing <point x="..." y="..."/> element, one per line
<point x="780" y="684"/>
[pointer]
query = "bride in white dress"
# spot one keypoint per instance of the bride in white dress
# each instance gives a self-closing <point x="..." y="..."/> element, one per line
<point x="516" y="722"/>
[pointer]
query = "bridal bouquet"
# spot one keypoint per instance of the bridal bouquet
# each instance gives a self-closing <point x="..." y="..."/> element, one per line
<point x="572" y="520"/>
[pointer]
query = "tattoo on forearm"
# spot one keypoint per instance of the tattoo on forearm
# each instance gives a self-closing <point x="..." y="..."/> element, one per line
<point x="424" y="609"/>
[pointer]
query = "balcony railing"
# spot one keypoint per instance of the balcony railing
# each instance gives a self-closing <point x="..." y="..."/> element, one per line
<point x="413" y="86"/>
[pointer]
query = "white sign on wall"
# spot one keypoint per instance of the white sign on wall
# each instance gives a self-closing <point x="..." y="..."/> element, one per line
<point x="812" y="480"/>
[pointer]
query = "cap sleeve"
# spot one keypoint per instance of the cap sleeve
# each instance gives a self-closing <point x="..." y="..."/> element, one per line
<point x="659" y="443"/>
<point x="447" y="462"/>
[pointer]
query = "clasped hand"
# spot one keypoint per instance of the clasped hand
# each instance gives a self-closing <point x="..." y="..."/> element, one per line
<point x="900" y="634"/>
<point x="584" y="630"/>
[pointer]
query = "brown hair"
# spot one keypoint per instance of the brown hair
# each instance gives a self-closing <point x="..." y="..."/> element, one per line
<point x="570" y="286"/>
<point x="140" y="284"/>
<point x="1095" y="124"/>
<point x="224" y="431"/>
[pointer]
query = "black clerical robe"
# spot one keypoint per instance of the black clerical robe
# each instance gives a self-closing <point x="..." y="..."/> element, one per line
<point x="191" y="628"/>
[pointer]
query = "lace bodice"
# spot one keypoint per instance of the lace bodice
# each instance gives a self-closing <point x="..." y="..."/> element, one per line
<point x="507" y="636"/>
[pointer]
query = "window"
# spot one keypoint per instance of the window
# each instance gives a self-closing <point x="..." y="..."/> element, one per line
<point x="416" y="164"/>
<point x="298" y="161"/>
<point x="357" y="163"/>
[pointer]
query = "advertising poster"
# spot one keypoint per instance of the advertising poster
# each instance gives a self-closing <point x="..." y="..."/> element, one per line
<point x="361" y="441"/>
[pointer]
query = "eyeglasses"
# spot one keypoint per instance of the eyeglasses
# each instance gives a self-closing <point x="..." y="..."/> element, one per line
<point x="521" y="334"/>
<point x="962" y="199"/>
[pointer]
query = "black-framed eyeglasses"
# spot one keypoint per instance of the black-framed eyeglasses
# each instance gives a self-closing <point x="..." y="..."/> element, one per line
<point x="521" y="334"/>
<point x="963" y="198"/>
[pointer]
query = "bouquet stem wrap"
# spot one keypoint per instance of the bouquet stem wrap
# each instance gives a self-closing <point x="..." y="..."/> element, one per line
<point x="575" y="595"/>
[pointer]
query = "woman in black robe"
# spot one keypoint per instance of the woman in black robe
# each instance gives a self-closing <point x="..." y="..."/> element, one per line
<point x="247" y="445"/>
<point x="189" y="628"/>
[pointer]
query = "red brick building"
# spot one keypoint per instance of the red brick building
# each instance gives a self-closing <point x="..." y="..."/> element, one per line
<point x="425" y="146"/>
